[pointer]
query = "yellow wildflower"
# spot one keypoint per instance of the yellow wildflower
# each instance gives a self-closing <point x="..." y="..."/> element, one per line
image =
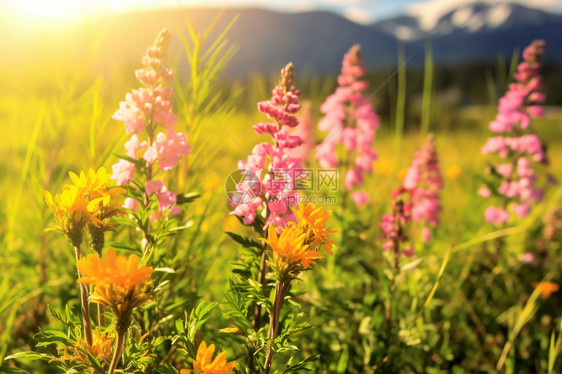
<point x="102" y="198"/>
<point x="118" y="281"/>
<point x="312" y="221"/>
<point x="71" y="212"/>
<point x="453" y="172"/>
<point x="100" y="348"/>
<point x="89" y="200"/>
<point x="383" y="166"/>
<point x="204" y="363"/>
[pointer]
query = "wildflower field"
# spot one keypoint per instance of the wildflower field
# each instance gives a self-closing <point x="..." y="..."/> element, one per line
<point x="162" y="219"/>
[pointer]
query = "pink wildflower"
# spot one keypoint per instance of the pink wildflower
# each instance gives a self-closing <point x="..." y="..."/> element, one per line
<point x="143" y="111"/>
<point x="167" y="149"/>
<point x="517" y="144"/>
<point x="422" y="182"/>
<point x="165" y="197"/>
<point x="392" y="226"/>
<point x="276" y="190"/>
<point x="350" y="120"/>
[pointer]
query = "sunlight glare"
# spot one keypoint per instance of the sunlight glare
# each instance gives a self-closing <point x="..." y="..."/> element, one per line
<point x="49" y="11"/>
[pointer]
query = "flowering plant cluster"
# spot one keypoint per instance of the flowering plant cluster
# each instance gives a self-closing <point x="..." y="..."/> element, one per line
<point x="296" y="249"/>
<point x="91" y="202"/>
<point x="143" y="113"/>
<point x="275" y="191"/>
<point x="517" y="146"/>
<point x="351" y="121"/>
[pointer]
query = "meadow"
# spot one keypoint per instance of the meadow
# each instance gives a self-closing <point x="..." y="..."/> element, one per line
<point x="475" y="297"/>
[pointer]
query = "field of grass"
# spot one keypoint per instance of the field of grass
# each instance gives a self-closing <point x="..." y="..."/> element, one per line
<point x="464" y="302"/>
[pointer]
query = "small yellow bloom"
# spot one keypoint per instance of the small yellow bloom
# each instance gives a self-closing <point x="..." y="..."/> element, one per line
<point x="453" y="172"/>
<point x="383" y="166"/>
<point x="89" y="200"/>
<point x="100" y="348"/>
<point x="546" y="288"/>
<point x="312" y="221"/>
<point x="204" y="363"/>
<point x="71" y="212"/>
<point x="102" y="197"/>
<point x="118" y="280"/>
<point x="290" y="254"/>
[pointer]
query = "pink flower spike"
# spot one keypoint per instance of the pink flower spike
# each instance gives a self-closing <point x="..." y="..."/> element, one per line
<point x="272" y="192"/>
<point x="518" y="145"/>
<point x="350" y="120"/>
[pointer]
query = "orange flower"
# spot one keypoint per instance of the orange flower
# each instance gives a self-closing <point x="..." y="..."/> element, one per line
<point x="118" y="280"/>
<point x="100" y="348"/>
<point x="290" y="254"/>
<point x="203" y="364"/>
<point x="546" y="288"/>
<point x="312" y="221"/>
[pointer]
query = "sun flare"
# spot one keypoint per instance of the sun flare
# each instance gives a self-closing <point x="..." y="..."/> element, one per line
<point x="50" y="11"/>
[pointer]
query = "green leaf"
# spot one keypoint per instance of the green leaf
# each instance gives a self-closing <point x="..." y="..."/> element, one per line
<point x="129" y="247"/>
<point x="246" y="242"/>
<point x="28" y="356"/>
<point x="301" y="365"/>
<point x="186" y="198"/>
<point x="11" y="370"/>
<point x="138" y="163"/>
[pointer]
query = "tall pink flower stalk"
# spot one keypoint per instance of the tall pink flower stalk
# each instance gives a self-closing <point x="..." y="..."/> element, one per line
<point x="270" y="171"/>
<point x="144" y="112"/>
<point x="517" y="146"/>
<point x="394" y="225"/>
<point x="422" y="183"/>
<point x="351" y="121"/>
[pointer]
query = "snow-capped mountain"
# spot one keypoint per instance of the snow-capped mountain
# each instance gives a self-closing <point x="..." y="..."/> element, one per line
<point x="434" y="19"/>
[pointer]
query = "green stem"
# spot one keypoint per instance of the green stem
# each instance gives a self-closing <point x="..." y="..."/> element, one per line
<point x="85" y="305"/>
<point x="281" y="288"/>
<point x="118" y="351"/>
